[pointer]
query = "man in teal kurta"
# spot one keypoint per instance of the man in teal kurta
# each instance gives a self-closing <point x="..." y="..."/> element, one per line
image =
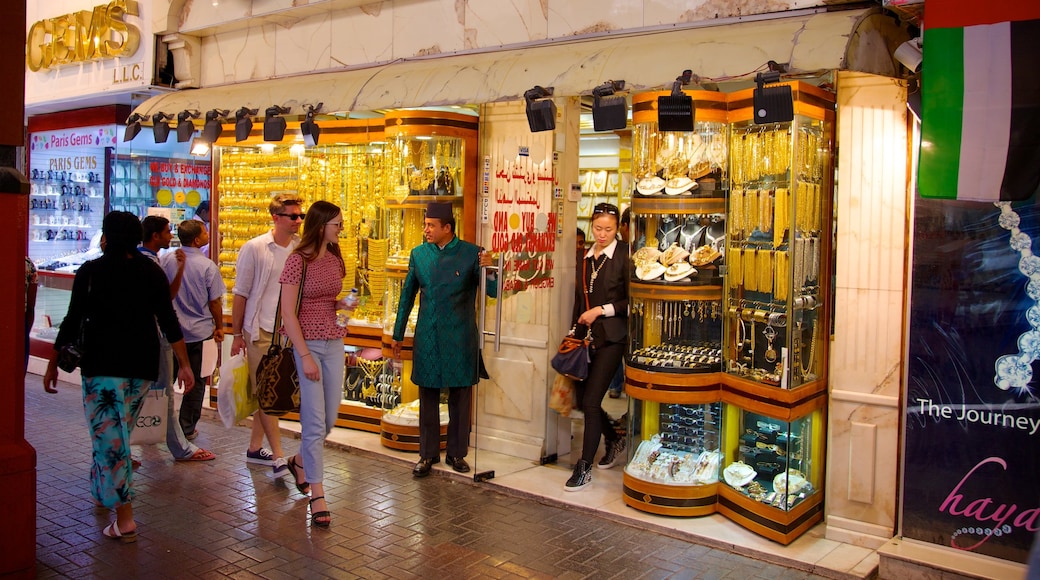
<point x="446" y="271"/>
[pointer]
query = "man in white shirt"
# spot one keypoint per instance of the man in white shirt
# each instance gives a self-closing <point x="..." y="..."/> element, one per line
<point x="254" y="302"/>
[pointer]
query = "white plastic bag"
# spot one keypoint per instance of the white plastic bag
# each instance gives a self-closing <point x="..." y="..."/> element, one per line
<point x="235" y="400"/>
<point x="150" y="425"/>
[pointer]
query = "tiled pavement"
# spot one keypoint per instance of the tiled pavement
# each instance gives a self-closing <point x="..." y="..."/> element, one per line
<point x="225" y="519"/>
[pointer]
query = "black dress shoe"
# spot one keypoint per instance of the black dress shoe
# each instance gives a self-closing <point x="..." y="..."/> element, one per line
<point x="457" y="463"/>
<point x="425" y="466"/>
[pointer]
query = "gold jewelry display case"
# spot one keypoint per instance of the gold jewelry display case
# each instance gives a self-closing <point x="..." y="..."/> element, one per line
<point x="729" y="312"/>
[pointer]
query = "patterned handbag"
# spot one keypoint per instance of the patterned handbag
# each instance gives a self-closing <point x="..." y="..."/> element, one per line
<point x="277" y="382"/>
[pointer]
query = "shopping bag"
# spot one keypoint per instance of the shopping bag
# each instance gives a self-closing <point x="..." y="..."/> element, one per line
<point x="235" y="400"/>
<point x="561" y="398"/>
<point x="150" y="425"/>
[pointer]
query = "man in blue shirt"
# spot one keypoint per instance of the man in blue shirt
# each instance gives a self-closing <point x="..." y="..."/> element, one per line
<point x="199" y="309"/>
<point x="156" y="236"/>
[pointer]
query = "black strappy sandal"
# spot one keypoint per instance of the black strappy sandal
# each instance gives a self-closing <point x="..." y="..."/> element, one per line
<point x="304" y="487"/>
<point x="322" y="514"/>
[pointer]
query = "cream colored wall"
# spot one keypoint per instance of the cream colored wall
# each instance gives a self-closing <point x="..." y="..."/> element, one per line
<point x="243" y="40"/>
<point x="872" y="212"/>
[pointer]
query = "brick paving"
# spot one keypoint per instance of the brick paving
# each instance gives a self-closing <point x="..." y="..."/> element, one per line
<point x="227" y="519"/>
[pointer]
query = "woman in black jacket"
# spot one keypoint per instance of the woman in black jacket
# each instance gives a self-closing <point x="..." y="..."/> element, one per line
<point x="600" y="302"/>
<point x="116" y="301"/>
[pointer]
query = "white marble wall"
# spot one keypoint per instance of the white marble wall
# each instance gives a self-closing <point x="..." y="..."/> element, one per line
<point x="866" y="370"/>
<point x="244" y="40"/>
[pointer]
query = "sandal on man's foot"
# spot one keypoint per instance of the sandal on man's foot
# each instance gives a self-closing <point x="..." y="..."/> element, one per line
<point x="112" y="532"/>
<point x="304" y="487"/>
<point x="321" y="519"/>
<point x="199" y="455"/>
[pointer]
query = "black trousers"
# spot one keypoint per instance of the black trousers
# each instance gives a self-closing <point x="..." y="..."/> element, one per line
<point x="191" y="403"/>
<point x="589" y="396"/>
<point x="459" y="403"/>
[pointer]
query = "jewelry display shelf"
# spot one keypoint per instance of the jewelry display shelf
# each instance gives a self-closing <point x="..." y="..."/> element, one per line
<point x="726" y="370"/>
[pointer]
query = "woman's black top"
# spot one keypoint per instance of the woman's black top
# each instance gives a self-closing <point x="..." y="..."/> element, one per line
<point x="611" y="287"/>
<point x="120" y="298"/>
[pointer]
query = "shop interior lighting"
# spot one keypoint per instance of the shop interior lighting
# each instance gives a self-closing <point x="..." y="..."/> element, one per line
<point x="541" y="111"/>
<point x="772" y="104"/>
<point x="244" y="123"/>
<point x="133" y="126"/>
<point x="160" y="127"/>
<point x="675" y="111"/>
<point x="199" y="147"/>
<point x="309" y="128"/>
<point x="609" y="110"/>
<point x="214" y="125"/>
<point x="274" y="124"/>
<point x="185" y="128"/>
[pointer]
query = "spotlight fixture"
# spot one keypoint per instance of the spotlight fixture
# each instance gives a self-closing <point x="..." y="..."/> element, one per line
<point x="185" y="128"/>
<point x="309" y="128"/>
<point x="772" y="104"/>
<point x="199" y="148"/>
<point x="675" y="111"/>
<point x="541" y="111"/>
<point x="160" y="127"/>
<point x="133" y="126"/>
<point x="214" y="125"/>
<point x="910" y="55"/>
<point x="609" y="111"/>
<point x="243" y="123"/>
<point x="274" y="125"/>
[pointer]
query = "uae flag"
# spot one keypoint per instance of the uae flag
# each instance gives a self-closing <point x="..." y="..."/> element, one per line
<point x="980" y="100"/>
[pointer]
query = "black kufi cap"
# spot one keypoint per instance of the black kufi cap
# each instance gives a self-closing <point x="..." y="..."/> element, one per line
<point x="441" y="211"/>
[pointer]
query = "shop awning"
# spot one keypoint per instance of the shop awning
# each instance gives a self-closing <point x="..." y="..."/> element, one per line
<point x="816" y="41"/>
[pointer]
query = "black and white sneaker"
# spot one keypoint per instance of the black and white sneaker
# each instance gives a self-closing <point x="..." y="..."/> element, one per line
<point x="262" y="456"/>
<point x="614" y="455"/>
<point x="581" y="477"/>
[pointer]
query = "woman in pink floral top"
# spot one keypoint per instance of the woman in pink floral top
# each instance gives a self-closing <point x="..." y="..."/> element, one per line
<point x="317" y="343"/>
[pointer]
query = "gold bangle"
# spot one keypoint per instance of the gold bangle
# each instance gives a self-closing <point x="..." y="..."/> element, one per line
<point x="307" y="354"/>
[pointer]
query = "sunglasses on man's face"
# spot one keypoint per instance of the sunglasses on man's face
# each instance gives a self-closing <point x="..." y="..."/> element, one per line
<point x="292" y="216"/>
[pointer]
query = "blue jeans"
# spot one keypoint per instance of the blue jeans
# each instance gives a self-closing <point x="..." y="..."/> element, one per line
<point x="319" y="402"/>
<point x="176" y="442"/>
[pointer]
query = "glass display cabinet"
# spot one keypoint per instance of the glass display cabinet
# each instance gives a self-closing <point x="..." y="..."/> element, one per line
<point x="777" y="314"/>
<point x="674" y="358"/>
<point x="729" y="312"/>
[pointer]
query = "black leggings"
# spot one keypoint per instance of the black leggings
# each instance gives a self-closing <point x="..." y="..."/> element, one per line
<point x="590" y="393"/>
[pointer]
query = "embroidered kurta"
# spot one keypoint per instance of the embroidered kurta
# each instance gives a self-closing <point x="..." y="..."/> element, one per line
<point x="446" y="337"/>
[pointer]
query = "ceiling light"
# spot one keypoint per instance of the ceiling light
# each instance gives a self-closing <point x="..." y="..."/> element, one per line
<point x="274" y="124"/>
<point x="609" y="111"/>
<point x="309" y="128"/>
<point x="675" y="111"/>
<point x="133" y="126"/>
<point x="199" y="147"/>
<point x="214" y="125"/>
<point x="160" y="127"/>
<point x="243" y="123"/>
<point x="185" y="128"/>
<point x="541" y="111"/>
<point x="772" y="104"/>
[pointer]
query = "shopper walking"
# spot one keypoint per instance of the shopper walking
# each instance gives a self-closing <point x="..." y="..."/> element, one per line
<point x="446" y="354"/>
<point x="254" y="302"/>
<point x="199" y="309"/>
<point x="116" y="301"/>
<point x="617" y="384"/>
<point x="600" y="303"/>
<point x="156" y="236"/>
<point x="310" y="323"/>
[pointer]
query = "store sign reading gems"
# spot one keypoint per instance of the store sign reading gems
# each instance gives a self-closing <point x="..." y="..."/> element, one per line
<point x="83" y="36"/>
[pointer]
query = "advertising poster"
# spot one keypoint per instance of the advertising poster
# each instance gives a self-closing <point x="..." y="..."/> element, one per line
<point x="972" y="456"/>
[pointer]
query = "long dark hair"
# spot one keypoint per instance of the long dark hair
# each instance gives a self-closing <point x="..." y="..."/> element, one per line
<point x="122" y="232"/>
<point x="319" y="214"/>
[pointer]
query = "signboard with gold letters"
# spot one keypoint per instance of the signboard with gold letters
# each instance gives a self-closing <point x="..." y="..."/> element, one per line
<point x="76" y="48"/>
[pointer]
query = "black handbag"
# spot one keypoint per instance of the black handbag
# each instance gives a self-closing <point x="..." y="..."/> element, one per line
<point x="70" y="355"/>
<point x="572" y="358"/>
<point x="277" y="381"/>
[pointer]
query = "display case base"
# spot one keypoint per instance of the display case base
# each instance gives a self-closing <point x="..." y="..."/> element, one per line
<point x="670" y="500"/>
<point x="773" y="523"/>
<point x="406" y="437"/>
